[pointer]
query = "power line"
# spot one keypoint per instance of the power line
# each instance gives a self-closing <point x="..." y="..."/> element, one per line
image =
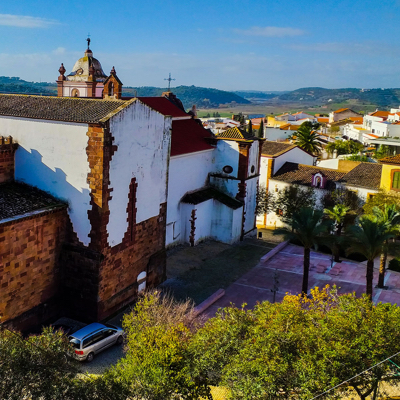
<point x="355" y="376"/>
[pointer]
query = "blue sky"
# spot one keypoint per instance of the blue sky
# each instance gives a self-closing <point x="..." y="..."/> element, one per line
<point x="229" y="45"/>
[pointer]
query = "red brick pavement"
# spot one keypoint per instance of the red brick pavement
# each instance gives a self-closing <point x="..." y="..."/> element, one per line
<point x="287" y="265"/>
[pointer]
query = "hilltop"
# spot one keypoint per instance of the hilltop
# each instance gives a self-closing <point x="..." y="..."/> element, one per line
<point x="189" y="95"/>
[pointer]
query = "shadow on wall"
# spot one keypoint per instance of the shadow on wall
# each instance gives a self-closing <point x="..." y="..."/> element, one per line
<point x="30" y="169"/>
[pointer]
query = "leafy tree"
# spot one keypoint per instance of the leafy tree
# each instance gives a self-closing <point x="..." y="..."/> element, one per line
<point x="311" y="125"/>
<point x="338" y="215"/>
<point x="261" y="130"/>
<point x="157" y="364"/>
<point x="250" y="127"/>
<point x="38" y="367"/>
<point x="369" y="237"/>
<point x="334" y="130"/>
<point x="381" y="200"/>
<point x="301" y="347"/>
<point x="291" y="199"/>
<point x="344" y="147"/>
<point x="307" y="139"/>
<point x="264" y="201"/>
<point x="346" y="198"/>
<point x="308" y="228"/>
<point x="390" y="217"/>
<point x="382" y="151"/>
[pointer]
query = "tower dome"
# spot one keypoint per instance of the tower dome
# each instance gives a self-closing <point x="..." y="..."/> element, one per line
<point x="85" y="80"/>
<point x="86" y="67"/>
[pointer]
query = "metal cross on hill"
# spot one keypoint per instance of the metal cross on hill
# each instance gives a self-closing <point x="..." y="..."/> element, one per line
<point x="169" y="79"/>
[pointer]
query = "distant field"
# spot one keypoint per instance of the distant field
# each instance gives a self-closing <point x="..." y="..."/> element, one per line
<point x="269" y="108"/>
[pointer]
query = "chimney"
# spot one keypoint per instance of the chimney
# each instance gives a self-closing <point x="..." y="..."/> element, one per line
<point x="7" y="159"/>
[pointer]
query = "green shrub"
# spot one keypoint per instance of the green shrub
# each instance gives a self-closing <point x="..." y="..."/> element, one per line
<point x="394" y="264"/>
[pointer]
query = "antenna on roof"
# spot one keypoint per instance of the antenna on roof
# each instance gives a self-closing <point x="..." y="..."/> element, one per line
<point x="169" y="79"/>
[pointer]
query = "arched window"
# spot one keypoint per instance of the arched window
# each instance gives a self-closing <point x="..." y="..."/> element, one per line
<point x="318" y="182"/>
<point x="75" y="93"/>
<point x="141" y="280"/>
<point x="111" y="89"/>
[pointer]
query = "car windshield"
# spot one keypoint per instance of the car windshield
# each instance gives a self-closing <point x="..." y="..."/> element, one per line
<point x="111" y="326"/>
<point x="75" y="343"/>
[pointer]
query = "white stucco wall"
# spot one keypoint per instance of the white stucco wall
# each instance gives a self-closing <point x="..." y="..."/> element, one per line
<point x="250" y="204"/>
<point x="142" y="137"/>
<point x="273" y="134"/>
<point x="226" y="185"/>
<point x="52" y="156"/>
<point x="296" y="155"/>
<point x="227" y="154"/>
<point x="253" y="158"/>
<point x="263" y="171"/>
<point x="226" y="223"/>
<point x="362" y="193"/>
<point x="187" y="172"/>
<point x="274" y="220"/>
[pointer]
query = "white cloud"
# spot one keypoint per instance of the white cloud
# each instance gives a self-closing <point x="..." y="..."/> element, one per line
<point x="270" y="31"/>
<point x="25" y="21"/>
<point x="59" y="51"/>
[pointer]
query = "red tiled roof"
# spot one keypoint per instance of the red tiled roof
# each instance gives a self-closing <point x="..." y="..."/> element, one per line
<point x="341" y="110"/>
<point x="381" y="114"/>
<point x="163" y="106"/>
<point x="188" y="137"/>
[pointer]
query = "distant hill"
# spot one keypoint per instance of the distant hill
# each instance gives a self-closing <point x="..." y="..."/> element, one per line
<point x="318" y="95"/>
<point x="17" y="85"/>
<point x="189" y="95"/>
<point x="258" y="95"/>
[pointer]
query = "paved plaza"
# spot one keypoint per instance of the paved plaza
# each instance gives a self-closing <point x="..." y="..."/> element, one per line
<point x="284" y="271"/>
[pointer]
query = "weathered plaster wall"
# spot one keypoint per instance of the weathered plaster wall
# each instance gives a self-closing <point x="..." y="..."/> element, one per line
<point x="142" y="139"/>
<point x="52" y="156"/>
<point x="187" y="172"/>
<point x="253" y="159"/>
<point x="227" y="154"/>
<point x="226" y="223"/>
<point x="250" y="204"/>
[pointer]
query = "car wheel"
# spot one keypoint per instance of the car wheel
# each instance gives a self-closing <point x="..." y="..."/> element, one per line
<point x="90" y="357"/>
<point x="120" y="340"/>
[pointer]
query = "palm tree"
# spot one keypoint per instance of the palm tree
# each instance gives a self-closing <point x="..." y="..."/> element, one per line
<point x="390" y="216"/>
<point x="369" y="238"/>
<point x="338" y="215"/>
<point x="308" y="228"/>
<point x="307" y="139"/>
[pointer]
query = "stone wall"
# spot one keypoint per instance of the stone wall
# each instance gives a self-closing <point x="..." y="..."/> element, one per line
<point x="29" y="268"/>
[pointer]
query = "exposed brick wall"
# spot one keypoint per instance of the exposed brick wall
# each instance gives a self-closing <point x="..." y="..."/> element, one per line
<point x="99" y="279"/>
<point x="29" y="269"/>
<point x="7" y="156"/>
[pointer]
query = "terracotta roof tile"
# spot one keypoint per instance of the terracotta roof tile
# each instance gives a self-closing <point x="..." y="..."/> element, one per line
<point x="300" y="174"/>
<point x="381" y="114"/>
<point x="163" y="106"/>
<point x="341" y="110"/>
<point x="366" y="175"/>
<point x="188" y="137"/>
<point x="391" y="160"/>
<point x="274" y="149"/>
<point x="235" y="133"/>
<point x="69" y="109"/>
<point x="17" y="199"/>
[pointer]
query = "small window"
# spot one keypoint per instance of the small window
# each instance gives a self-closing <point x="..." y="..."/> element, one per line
<point x="227" y="169"/>
<point x="396" y="180"/>
<point x="253" y="168"/>
<point x="75" y="93"/>
<point x="141" y="280"/>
